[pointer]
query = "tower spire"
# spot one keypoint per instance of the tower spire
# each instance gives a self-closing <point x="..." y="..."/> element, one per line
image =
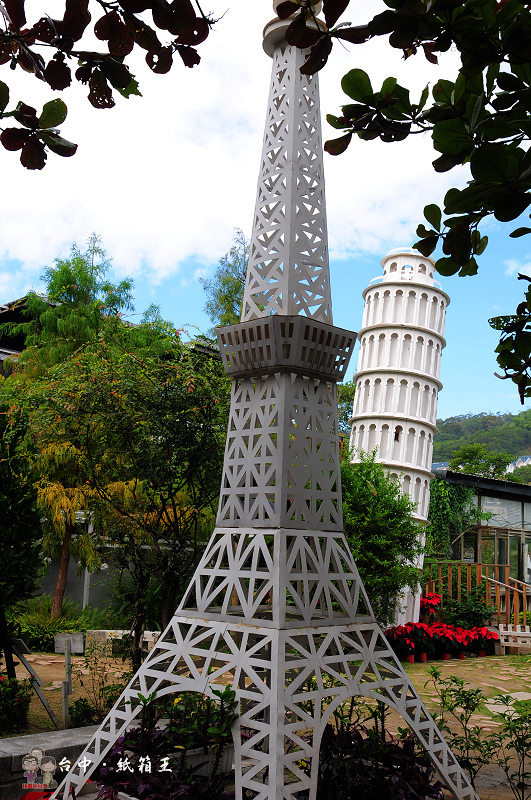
<point x="288" y="263"/>
<point x="276" y="601"/>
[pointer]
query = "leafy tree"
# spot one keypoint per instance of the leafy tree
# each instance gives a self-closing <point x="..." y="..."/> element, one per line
<point x="81" y="308"/>
<point x="475" y="459"/>
<point x="382" y="535"/>
<point x="225" y="289"/>
<point x="345" y="402"/>
<point x="520" y="475"/>
<point x="499" y="432"/>
<point x="451" y="514"/>
<point x="480" y="118"/>
<point x="122" y="25"/>
<point x="20" y="526"/>
<point x="148" y="414"/>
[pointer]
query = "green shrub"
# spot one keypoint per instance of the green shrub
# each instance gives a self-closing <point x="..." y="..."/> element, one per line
<point x="94" y="619"/>
<point x="15" y="698"/>
<point x="81" y="713"/>
<point x="31" y="621"/>
<point x="469" y="612"/>
<point x="521" y="619"/>
<point x="196" y="720"/>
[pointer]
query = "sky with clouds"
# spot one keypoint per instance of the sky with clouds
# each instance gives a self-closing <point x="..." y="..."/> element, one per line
<point x="166" y="177"/>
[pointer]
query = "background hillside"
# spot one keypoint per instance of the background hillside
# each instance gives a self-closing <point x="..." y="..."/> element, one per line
<point x="501" y="433"/>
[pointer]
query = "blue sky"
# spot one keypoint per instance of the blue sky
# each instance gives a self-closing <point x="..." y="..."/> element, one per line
<point x="166" y="178"/>
<point x="468" y="363"/>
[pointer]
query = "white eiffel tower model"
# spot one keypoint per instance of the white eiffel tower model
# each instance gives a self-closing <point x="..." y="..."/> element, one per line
<point x="276" y="601"/>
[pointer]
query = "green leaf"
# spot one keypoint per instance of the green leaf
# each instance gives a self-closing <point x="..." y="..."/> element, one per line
<point x="479" y="105"/>
<point x="491" y="163"/>
<point x="443" y="92"/>
<point x="446" y="267"/>
<point x="511" y="206"/>
<point x="427" y="245"/>
<point x="476" y="196"/>
<point x="446" y="163"/>
<point x="433" y="214"/>
<point x="4" y="96"/>
<point x="53" y="113"/>
<point x="58" y="145"/>
<point x="333" y="121"/>
<point x="337" y="146"/>
<point x="492" y="73"/>
<point x="451" y="137"/>
<point x="519" y="232"/>
<point x="388" y="86"/>
<point x="458" y="244"/>
<point x="423" y="98"/>
<point x="459" y="88"/>
<point x="131" y="88"/>
<point x="483" y="242"/>
<point x="356" y="84"/>
<point x="404" y="35"/>
<point x="469" y="269"/>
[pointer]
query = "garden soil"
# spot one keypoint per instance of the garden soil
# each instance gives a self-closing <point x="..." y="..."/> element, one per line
<point x="494" y="675"/>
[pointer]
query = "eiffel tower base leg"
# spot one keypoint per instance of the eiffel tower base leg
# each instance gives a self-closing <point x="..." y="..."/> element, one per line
<point x="288" y="682"/>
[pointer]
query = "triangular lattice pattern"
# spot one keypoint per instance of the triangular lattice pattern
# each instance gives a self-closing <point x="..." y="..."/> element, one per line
<point x="281" y="721"/>
<point x="284" y="578"/>
<point x="288" y="263"/>
<point x="282" y="456"/>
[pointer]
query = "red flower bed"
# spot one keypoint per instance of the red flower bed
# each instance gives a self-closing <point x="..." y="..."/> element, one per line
<point x="437" y="638"/>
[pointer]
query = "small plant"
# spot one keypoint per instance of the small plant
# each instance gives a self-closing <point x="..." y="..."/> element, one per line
<point x="361" y="763"/>
<point x="485" y="638"/>
<point x="430" y="604"/>
<point x="102" y="685"/>
<point x="149" y="762"/>
<point x="145" y="768"/>
<point x="199" y="721"/>
<point x="15" y="698"/>
<point x="31" y="621"/>
<point x="514" y="744"/>
<point x="81" y="713"/>
<point x="457" y="700"/>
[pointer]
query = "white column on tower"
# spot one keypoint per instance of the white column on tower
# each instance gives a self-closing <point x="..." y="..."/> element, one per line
<point x="397" y="382"/>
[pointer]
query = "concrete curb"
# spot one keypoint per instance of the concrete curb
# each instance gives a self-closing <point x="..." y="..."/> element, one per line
<point x="67" y="744"/>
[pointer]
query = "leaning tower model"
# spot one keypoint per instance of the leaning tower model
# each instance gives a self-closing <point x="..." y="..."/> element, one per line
<point x="397" y="382"/>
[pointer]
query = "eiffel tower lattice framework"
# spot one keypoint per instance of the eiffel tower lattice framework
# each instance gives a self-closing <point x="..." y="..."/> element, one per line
<point x="276" y="601"/>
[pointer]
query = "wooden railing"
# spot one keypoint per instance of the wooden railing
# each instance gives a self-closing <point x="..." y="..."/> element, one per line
<point x="508" y="595"/>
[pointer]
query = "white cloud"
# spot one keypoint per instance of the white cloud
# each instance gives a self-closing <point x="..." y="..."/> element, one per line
<point x="168" y="176"/>
<point x="513" y="266"/>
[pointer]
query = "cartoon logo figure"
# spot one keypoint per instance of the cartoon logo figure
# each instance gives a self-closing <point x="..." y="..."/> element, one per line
<point x="30" y="765"/>
<point x="48" y="767"/>
<point x="37" y="753"/>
